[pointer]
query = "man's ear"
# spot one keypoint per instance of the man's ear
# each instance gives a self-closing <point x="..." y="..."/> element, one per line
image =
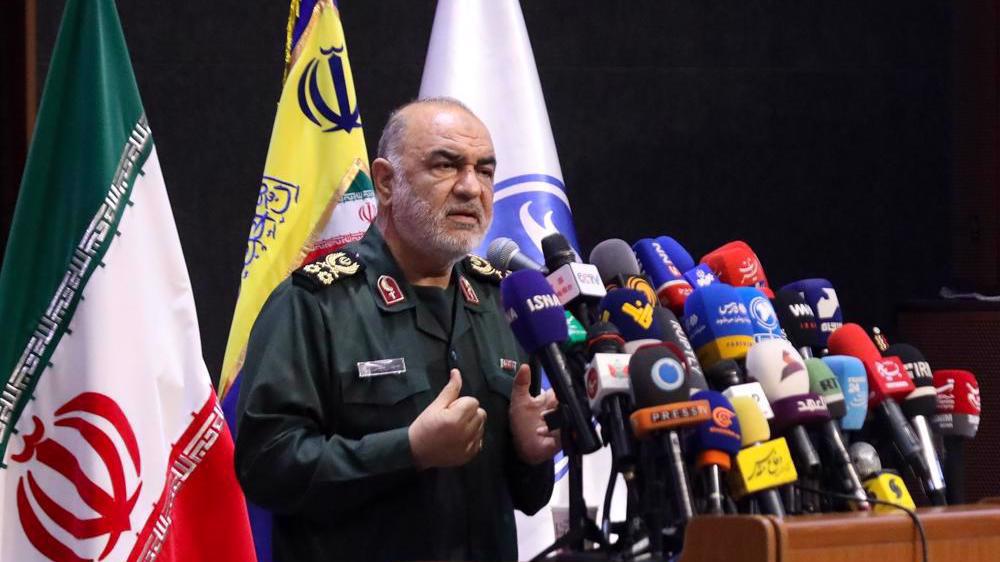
<point x="383" y="177"/>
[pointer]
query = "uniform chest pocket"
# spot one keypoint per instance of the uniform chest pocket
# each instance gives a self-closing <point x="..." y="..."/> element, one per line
<point x="380" y="403"/>
<point x="500" y="383"/>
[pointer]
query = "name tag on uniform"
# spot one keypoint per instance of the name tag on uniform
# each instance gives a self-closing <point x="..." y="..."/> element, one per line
<point x="381" y="367"/>
<point x="508" y="365"/>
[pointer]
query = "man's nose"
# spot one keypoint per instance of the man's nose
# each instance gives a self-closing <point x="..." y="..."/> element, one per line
<point x="469" y="183"/>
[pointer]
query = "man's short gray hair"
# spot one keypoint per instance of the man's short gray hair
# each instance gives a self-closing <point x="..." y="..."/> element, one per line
<point x="390" y="144"/>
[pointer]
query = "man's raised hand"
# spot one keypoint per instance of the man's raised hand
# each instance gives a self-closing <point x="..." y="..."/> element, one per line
<point x="449" y="432"/>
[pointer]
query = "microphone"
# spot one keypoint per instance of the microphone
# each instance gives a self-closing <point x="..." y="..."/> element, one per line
<point x="822" y="381"/>
<point x="887" y="383"/>
<point x="798" y="320"/>
<point x="726" y="377"/>
<point x="736" y="263"/>
<point x="676" y="252"/>
<point x="659" y="384"/>
<point x="613" y="258"/>
<point x="504" y="254"/>
<point x="700" y="276"/>
<point x="539" y="323"/>
<point x="881" y="484"/>
<point x="610" y="392"/>
<point x="673" y="332"/>
<point x="920" y="406"/>
<point x="576" y="284"/>
<point x="957" y="420"/>
<point x="786" y="381"/>
<point x="667" y="280"/>
<point x="714" y="442"/>
<point x="632" y="313"/>
<point x="763" y="464"/>
<point x="853" y="381"/>
<point x="781" y="372"/>
<point x="821" y="297"/>
<point x="724" y="374"/>
<point x="718" y="324"/>
<point x="763" y="317"/>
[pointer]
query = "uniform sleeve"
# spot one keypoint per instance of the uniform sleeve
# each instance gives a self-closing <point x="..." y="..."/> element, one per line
<point x="287" y="458"/>
<point x="530" y="486"/>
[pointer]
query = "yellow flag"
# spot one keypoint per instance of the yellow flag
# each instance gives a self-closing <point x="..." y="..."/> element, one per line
<point x="315" y="193"/>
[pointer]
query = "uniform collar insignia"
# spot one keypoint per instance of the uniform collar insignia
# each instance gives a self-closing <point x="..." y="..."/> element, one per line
<point x="467" y="291"/>
<point x="389" y="289"/>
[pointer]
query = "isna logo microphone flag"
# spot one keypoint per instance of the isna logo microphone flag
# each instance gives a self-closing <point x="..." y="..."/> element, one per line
<point x="112" y="441"/>
<point x="480" y="54"/>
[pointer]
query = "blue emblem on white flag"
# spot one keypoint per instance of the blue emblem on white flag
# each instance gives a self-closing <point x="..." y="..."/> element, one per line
<point x="528" y="208"/>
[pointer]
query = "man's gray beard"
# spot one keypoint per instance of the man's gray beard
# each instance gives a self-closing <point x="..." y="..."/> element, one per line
<point x="414" y="219"/>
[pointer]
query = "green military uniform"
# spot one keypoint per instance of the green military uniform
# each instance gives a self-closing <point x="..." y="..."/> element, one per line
<point x="327" y="450"/>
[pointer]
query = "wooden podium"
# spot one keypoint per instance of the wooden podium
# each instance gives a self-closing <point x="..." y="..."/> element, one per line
<point x="967" y="533"/>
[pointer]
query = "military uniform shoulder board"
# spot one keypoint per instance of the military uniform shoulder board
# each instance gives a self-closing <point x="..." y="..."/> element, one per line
<point x="482" y="269"/>
<point x="327" y="270"/>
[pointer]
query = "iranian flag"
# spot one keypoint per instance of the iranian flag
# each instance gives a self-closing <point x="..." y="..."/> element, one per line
<point x="112" y="443"/>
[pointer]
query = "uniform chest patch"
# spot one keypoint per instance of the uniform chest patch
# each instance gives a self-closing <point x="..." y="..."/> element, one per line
<point x="389" y="289"/>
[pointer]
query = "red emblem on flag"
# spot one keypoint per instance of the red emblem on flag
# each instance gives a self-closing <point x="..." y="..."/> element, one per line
<point x="113" y="507"/>
<point x="467" y="291"/>
<point x="367" y="212"/>
<point x="390" y="291"/>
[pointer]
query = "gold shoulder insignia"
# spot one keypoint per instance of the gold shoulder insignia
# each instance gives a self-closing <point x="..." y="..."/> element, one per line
<point x="328" y="269"/>
<point x="482" y="269"/>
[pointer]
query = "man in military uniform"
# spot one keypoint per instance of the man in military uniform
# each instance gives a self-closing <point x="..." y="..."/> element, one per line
<point x="385" y="412"/>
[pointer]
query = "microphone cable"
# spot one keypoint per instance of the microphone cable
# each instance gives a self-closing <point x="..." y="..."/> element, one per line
<point x="911" y="513"/>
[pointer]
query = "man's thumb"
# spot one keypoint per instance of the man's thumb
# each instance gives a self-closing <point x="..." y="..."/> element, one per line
<point x="450" y="391"/>
<point x="522" y="380"/>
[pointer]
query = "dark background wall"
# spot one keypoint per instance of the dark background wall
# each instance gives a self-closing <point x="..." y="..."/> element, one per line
<point x="819" y="132"/>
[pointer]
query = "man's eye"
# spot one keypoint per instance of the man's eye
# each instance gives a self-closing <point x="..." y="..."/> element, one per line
<point x="486" y="172"/>
<point x="444" y="166"/>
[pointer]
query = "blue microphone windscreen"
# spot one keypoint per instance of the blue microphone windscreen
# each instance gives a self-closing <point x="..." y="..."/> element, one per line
<point x="850" y="373"/>
<point x="820" y="295"/>
<point x="681" y="258"/>
<point x="715" y="312"/>
<point x="763" y="318"/>
<point x="655" y="262"/>
<point x="722" y="431"/>
<point x="533" y="310"/>
<point x="631" y="311"/>
<point x="700" y="276"/>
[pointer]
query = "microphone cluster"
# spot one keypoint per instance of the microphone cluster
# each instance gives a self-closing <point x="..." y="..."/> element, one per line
<point x="717" y="393"/>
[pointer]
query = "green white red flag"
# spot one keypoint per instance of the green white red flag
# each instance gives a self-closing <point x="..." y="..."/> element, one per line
<point x="112" y="443"/>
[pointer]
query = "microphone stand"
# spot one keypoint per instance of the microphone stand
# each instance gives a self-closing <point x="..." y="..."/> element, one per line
<point x="581" y="527"/>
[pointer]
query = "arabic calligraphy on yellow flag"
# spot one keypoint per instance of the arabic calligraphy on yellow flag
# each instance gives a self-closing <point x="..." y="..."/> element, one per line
<point x="315" y="193"/>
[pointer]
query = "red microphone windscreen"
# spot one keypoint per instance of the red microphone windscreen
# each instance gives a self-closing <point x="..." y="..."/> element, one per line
<point x="736" y="264"/>
<point x="958" y="392"/>
<point x="851" y="339"/>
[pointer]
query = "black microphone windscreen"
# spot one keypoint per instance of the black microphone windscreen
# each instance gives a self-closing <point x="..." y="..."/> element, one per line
<point x="604" y="337"/>
<point x="557" y="251"/>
